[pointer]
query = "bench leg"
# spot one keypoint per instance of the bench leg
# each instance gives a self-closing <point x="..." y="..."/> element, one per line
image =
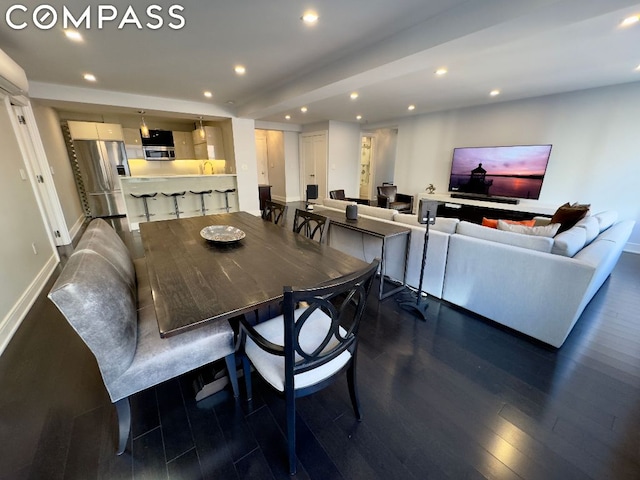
<point x="233" y="374"/>
<point x="124" y="423"/>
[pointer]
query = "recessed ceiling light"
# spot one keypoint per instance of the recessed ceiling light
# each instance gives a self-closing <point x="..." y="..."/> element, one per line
<point x="208" y="94"/>
<point x="230" y="102"/>
<point x="310" y="17"/>
<point x="303" y="109"/>
<point x="354" y="95"/>
<point x="441" y="71"/>
<point x="630" y="20"/>
<point x="359" y="117"/>
<point x="494" y="93"/>
<point x="89" y="77"/>
<point x="287" y="117"/>
<point x="411" y="107"/>
<point x="73" y="35"/>
<point x="240" y="69"/>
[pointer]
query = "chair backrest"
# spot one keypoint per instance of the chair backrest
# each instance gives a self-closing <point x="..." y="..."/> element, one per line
<point x="310" y="224"/>
<point x="274" y="212"/>
<point x="333" y="313"/>
<point x="388" y="191"/>
<point x="337" y="195"/>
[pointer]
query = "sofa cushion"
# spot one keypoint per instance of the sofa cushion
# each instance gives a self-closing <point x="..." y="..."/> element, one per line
<point x="591" y="227"/>
<point x="568" y="215"/>
<point x="339" y="204"/>
<point x="493" y="222"/>
<point x="541" y="231"/>
<point x="377" y="212"/>
<point x="100" y="237"/>
<point x="606" y="219"/>
<point x="541" y="244"/>
<point x="443" y="224"/>
<point x="99" y="304"/>
<point x="570" y="242"/>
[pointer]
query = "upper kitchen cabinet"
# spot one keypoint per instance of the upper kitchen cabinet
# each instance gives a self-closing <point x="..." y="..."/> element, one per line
<point x="184" y="145"/>
<point x="95" y="131"/>
<point x="132" y="137"/>
<point x="211" y="147"/>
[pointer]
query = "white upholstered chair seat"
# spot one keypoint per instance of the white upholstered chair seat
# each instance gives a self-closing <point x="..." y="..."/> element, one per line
<point x="271" y="367"/>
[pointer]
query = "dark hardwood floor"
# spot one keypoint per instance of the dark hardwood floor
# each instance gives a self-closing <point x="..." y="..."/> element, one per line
<point x="455" y="397"/>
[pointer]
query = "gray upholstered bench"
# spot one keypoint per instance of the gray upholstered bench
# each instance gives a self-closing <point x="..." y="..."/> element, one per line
<point x="106" y="297"/>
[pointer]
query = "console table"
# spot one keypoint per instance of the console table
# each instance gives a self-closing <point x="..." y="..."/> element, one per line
<point x="474" y="210"/>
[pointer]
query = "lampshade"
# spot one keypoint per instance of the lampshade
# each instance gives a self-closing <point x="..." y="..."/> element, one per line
<point x="144" y="130"/>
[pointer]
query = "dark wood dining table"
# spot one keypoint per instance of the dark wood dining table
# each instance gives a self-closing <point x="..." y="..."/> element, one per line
<point x="195" y="281"/>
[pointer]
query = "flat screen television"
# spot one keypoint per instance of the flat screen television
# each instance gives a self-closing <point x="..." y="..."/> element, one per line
<point x="514" y="171"/>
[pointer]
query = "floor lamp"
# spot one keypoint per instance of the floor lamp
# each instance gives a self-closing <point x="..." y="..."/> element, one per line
<point x="408" y="300"/>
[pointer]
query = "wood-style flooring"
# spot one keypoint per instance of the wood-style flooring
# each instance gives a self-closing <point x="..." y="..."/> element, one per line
<point x="455" y="397"/>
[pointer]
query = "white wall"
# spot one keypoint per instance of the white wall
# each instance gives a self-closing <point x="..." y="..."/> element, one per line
<point x="243" y="150"/>
<point x="344" y="158"/>
<point x="292" y="166"/>
<point x="384" y="157"/>
<point x="276" y="164"/>
<point x="58" y="158"/>
<point x="595" y="157"/>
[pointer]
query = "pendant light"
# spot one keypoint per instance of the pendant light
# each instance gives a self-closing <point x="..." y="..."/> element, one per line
<point x="144" y="130"/>
<point x="202" y="133"/>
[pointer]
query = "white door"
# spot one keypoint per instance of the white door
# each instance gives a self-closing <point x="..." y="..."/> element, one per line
<point x="262" y="158"/>
<point x="40" y="172"/>
<point x="314" y="162"/>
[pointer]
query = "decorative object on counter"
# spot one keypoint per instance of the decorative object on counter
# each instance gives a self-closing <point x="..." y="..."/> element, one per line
<point x="431" y="189"/>
<point x="144" y="130"/>
<point x="144" y="198"/>
<point x="408" y="300"/>
<point x="226" y="197"/>
<point x="352" y="212"/>
<point x="175" y="196"/>
<point x="222" y="234"/>
<point x="203" y="209"/>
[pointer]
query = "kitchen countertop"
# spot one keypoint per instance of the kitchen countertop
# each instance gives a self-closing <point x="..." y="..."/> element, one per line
<point x="162" y="177"/>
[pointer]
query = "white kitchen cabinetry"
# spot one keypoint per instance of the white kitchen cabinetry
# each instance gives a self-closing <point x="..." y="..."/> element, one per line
<point x="184" y="145"/>
<point x="211" y="147"/>
<point x="133" y="143"/>
<point x="95" y="131"/>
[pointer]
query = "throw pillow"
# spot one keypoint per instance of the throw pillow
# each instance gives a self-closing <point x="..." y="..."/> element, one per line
<point x="493" y="223"/>
<point x="568" y="215"/>
<point x="548" y="231"/>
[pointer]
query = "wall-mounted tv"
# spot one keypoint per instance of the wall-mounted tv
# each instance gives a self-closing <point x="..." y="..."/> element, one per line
<point x="514" y="171"/>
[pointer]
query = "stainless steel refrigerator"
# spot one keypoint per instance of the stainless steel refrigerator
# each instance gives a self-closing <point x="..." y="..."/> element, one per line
<point x="97" y="164"/>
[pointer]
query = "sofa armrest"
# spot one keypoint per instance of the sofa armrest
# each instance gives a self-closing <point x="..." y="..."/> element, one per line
<point x="383" y="201"/>
<point x="403" y="197"/>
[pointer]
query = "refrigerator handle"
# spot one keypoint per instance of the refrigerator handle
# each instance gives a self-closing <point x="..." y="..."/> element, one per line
<point x="106" y="173"/>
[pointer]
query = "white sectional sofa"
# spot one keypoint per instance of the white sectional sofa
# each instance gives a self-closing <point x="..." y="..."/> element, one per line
<point x="535" y="285"/>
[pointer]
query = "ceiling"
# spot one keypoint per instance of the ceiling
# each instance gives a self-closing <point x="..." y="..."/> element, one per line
<point x="386" y="51"/>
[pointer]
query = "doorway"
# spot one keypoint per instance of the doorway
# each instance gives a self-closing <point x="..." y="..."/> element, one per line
<point x="313" y="149"/>
<point x="262" y="157"/>
<point x="367" y="166"/>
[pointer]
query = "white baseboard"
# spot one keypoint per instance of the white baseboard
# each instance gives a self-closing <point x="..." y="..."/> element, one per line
<point x="12" y="321"/>
<point x="279" y="198"/>
<point x="75" y="229"/>
<point x="632" y="248"/>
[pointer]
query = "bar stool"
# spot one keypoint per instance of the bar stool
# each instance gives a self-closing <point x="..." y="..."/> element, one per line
<point x="175" y="196"/>
<point x="144" y="197"/>
<point x="202" y="194"/>
<point x="226" y="196"/>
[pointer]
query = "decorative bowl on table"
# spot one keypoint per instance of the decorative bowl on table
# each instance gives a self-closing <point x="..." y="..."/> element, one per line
<point x="222" y="234"/>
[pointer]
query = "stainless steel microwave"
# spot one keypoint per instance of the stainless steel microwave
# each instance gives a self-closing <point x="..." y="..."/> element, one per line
<point x="159" y="153"/>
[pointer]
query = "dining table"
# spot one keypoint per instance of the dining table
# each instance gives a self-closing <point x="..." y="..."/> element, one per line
<point x="195" y="280"/>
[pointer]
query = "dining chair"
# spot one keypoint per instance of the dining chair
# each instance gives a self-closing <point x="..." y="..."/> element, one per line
<point x="274" y="212"/>
<point x="306" y="348"/>
<point x="310" y="224"/>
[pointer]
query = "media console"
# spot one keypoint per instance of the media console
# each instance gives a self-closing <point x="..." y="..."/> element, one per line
<point x="473" y="210"/>
<point x="486" y="198"/>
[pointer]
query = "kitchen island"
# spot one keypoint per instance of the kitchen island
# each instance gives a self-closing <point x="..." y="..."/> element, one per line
<point x="162" y="207"/>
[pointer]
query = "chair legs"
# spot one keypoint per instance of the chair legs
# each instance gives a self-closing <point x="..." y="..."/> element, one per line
<point x="230" y="360"/>
<point x="353" y="390"/>
<point x="291" y="429"/>
<point x="246" y="367"/>
<point x="123" y="410"/>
